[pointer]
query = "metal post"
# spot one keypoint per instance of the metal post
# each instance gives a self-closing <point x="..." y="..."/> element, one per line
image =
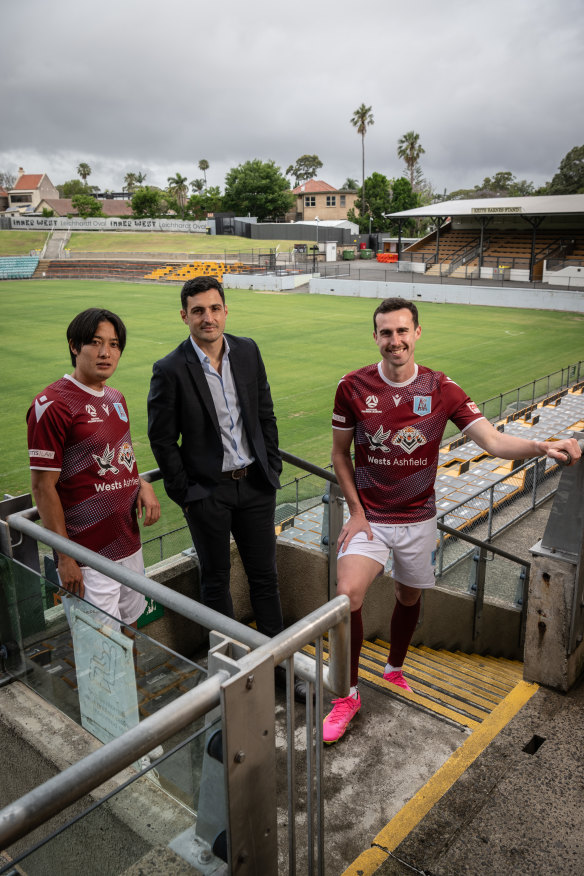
<point x="249" y="733"/>
<point x="335" y="523"/>
<point x="480" y="593"/>
<point x="490" y="518"/>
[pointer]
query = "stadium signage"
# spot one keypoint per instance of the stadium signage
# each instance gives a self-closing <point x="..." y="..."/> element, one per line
<point x="496" y="210"/>
<point x="34" y="223"/>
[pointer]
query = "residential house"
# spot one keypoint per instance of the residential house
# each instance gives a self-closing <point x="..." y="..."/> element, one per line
<point x="28" y="191"/>
<point x="64" y="207"/>
<point x="316" y="199"/>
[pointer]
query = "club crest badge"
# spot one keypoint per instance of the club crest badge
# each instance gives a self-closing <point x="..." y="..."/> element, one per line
<point x="409" y="439"/>
<point x="126" y="456"/>
<point x="422" y="405"/>
<point x="377" y="441"/>
<point x="121" y="412"/>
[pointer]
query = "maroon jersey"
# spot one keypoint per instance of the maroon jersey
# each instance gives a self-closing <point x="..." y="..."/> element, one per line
<point x="85" y="435"/>
<point x="397" y="432"/>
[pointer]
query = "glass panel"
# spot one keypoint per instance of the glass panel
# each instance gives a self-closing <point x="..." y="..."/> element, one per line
<point x="139" y="825"/>
<point x="103" y="674"/>
<point x="457" y="567"/>
<point x="504" y="580"/>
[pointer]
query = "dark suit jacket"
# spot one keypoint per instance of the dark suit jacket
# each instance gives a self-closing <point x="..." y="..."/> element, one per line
<point x="183" y="426"/>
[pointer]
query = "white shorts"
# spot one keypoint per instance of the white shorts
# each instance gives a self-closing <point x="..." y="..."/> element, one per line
<point x="412" y="545"/>
<point x="110" y="596"/>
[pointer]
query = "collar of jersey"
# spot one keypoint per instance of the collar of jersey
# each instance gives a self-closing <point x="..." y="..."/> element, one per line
<point x="390" y="382"/>
<point x="97" y="392"/>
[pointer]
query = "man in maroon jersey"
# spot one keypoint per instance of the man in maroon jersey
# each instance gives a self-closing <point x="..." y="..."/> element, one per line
<point x="395" y="413"/>
<point x="83" y="471"/>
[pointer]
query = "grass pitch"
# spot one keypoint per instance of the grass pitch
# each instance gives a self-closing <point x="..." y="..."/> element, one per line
<point x="307" y="341"/>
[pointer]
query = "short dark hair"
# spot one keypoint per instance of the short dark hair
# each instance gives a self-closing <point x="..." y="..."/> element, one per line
<point x="197" y="285"/>
<point x="82" y="329"/>
<point x="390" y="304"/>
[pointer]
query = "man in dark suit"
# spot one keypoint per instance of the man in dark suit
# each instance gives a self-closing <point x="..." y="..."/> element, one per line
<point x="211" y="394"/>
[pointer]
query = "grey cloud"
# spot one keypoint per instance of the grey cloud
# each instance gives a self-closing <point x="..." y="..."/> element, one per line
<point x="157" y="86"/>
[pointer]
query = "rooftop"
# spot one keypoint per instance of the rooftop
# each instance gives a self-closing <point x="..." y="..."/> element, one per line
<point x="533" y="206"/>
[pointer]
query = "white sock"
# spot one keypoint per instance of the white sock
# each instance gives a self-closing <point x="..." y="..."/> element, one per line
<point x="354" y="692"/>
<point x="390" y="668"/>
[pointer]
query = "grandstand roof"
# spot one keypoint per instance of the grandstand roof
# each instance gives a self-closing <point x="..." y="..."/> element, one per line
<point x="539" y="205"/>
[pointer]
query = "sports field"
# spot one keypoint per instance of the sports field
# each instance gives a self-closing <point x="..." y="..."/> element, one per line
<point x="308" y="343"/>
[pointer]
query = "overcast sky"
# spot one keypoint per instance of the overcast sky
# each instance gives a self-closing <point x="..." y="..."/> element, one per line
<point x="157" y="85"/>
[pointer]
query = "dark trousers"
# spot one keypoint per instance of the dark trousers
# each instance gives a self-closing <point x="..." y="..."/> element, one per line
<point x="244" y="508"/>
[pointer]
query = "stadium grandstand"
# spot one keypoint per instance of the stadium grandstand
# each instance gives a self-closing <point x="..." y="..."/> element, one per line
<point x="531" y="238"/>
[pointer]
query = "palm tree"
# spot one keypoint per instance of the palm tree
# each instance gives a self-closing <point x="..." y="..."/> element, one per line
<point x="409" y="148"/>
<point x="130" y="182"/>
<point x="140" y="178"/>
<point x="204" y="166"/>
<point x="350" y="185"/>
<point x="177" y="186"/>
<point x="197" y="185"/>
<point x="84" y="170"/>
<point x="362" y="119"/>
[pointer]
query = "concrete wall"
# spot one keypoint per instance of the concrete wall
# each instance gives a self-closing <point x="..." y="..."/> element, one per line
<point x="573" y="276"/>
<point x="446" y="619"/>
<point x="38" y="741"/>
<point x="443" y="293"/>
<point x="265" y="282"/>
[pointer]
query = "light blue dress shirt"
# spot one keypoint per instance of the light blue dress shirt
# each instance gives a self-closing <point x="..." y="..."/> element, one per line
<point x="236" y="450"/>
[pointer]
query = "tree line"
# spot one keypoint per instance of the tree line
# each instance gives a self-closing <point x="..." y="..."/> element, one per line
<point x="260" y="188"/>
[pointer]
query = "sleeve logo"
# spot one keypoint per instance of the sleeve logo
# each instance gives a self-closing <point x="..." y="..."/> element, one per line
<point x="473" y="408"/>
<point x="40" y="406"/>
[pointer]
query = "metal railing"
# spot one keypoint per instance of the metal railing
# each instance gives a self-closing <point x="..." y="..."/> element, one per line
<point x="466" y="254"/>
<point x="536" y="390"/>
<point x="229" y="677"/>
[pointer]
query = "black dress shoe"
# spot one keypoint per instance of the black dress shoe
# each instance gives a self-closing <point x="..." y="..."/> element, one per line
<point x="300" y="689"/>
<point x="280" y="676"/>
<point x="299" y="685"/>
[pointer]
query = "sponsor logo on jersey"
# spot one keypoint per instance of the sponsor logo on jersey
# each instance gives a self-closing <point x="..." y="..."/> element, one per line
<point x="121" y="412"/>
<point x="126" y="456"/>
<point x="105" y="461"/>
<point x="422" y="405"/>
<point x="408" y="439"/>
<point x="40" y="406"/>
<point x="473" y="408"/>
<point x="371" y="401"/>
<point x="93" y="418"/>
<point x="41" y="454"/>
<point x="396" y="399"/>
<point x="339" y="418"/>
<point x="377" y="441"/>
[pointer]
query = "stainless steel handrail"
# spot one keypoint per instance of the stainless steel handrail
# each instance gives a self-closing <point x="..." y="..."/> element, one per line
<point x="23" y="521"/>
